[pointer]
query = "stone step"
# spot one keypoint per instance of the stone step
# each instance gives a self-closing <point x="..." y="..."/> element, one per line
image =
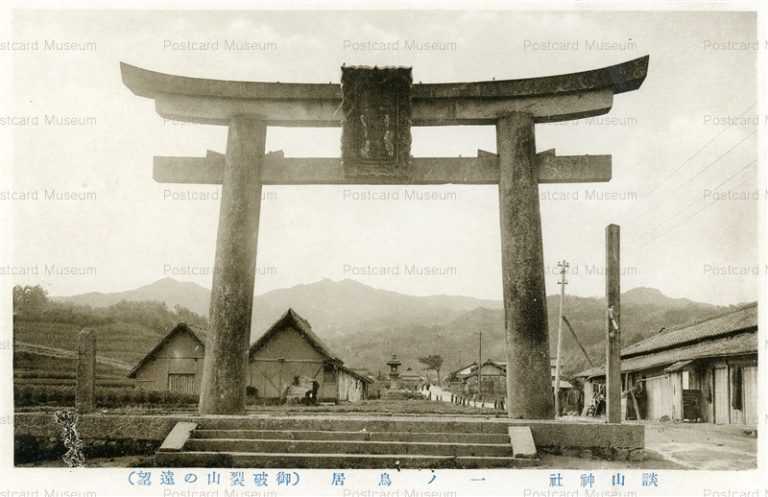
<point x="341" y="423"/>
<point x="522" y="442"/>
<point x="348" y="447"/>
<point x="197" y="459"/>
<point x="401" y="436"/>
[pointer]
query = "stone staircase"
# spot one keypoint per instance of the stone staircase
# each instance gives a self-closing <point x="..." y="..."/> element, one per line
<point x="343" y="442"/>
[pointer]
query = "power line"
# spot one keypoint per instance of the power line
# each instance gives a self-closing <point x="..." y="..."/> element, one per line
<point x="746" y="166"/>
<point x="664" y="182"/>
<point x="653" y="232"/>
<point x="744" y="181"/>
<point x="707" y="206"/>
<point x="695" y="201"/>
<point x="723" y="155"/>
<point x="706" y="167"/>
<point x="697" y="152"/>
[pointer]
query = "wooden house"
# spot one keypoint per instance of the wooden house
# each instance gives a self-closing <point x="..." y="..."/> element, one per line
<point x="290" y="349"/>
<point x="494" y="378"/>
<point x="702" y="371"/>
<point x="175" y="363"/>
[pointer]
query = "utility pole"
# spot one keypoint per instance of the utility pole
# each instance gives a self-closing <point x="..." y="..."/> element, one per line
<point x="563" y="265"/>
<point x="480" y="367"/>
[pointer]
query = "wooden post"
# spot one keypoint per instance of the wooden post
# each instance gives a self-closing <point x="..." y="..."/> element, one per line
<point x="529" y="381"/>
<point x="85" y="396"/>
<point x="635" y="405"/>
<point x="225" y="368"/>
<point x="480" y="366"/>
<point x="563" y="268"/>
<point x="613" y="324"/>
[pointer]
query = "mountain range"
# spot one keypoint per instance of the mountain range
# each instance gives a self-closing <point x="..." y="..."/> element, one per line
<point x="365" y="325"/>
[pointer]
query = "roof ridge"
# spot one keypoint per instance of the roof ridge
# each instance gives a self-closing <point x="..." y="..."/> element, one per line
<point x="690" y="324"/>
<point x="716" y="316"/>
<point x="180" y="326"/>
<point x="195" y="326"/>
<point x="303" y="327"/>
<point x="703" y="329"/>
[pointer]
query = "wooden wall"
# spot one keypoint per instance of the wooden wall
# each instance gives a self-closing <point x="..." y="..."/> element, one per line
<point x="288" y="354"/>
<point x="715" y="379"/>
<point x="351" y="388"/>
<point x="181" y="355"/>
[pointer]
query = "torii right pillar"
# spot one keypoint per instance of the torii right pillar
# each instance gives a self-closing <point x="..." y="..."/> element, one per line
<point x="529" y="383"/>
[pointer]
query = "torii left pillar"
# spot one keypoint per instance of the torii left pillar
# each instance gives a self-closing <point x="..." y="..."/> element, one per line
<point x="225" y="367"/>
<point x="529" y="384"/>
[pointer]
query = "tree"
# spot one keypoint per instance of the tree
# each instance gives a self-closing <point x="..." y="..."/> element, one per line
<point x="184" y="315"/>
<point x="31" y="303"/>
<point x="435" y="362"/>
<point x="29" y="300"/>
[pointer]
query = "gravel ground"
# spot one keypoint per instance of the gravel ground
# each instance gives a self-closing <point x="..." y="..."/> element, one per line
<point x="703" y="446"/>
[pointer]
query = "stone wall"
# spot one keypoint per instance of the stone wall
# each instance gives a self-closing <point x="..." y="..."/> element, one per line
<point x="608" y="441"/>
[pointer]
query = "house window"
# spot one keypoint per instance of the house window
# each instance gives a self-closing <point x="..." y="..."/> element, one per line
<point x="182" y="383"/>
<point x="686" y="379"/>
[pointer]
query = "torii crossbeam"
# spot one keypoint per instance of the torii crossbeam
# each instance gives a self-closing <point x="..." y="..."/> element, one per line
<point x="513" y="106"/>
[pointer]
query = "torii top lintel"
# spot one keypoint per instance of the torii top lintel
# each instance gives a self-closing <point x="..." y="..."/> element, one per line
<point x="548" y="99"/>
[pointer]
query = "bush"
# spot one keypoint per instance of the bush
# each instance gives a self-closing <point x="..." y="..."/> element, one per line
<point x="33" y="395"/>
<point x="20" y="396"/>
<point x="154" y="397"/>
<point x="124" y="396"/>
<point x="61" y="395"/>
<point x="108" y="397"/>
<point x="142" y="396"/>
<point x="105" y="397"/>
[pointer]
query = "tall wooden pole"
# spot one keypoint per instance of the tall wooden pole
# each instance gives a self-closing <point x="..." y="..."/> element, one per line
<point x="529" y="380"/>
<point x="613" y="323"/>
<point x="480" y="367"/>
<point x="85" y="394"/>
<point x="225" y="367"/>
<point x="563" y="265"/>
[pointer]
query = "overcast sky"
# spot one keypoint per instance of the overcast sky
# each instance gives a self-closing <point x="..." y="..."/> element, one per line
<point x="683" y="149"/>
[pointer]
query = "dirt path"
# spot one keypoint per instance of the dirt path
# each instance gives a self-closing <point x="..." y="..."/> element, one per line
<point x="703" y="446"/>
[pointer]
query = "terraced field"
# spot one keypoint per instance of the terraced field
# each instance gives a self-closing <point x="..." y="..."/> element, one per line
<point x="125" y="342"/>
<point x="31" y="366"/>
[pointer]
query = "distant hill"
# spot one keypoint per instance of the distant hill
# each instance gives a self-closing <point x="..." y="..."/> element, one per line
<point x="643" y="314"/>
<point x="186" y="294"/>
<point x="333" y="307"/>
<point x="46" y="330"/>
<point x="348" y="307"/>
<point x="365" y="325"/>
<point x="653" y="297"/>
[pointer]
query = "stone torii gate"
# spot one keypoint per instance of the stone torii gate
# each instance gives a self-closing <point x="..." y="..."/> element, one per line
<point x="513" y="106"/>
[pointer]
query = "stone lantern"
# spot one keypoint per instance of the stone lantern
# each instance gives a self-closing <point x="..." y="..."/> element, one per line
<point x="394" y="372"/>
